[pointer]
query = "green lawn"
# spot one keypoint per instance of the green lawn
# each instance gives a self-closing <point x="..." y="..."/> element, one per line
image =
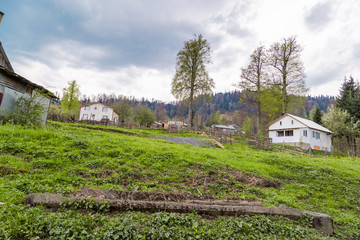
<point x="63" y="158"/>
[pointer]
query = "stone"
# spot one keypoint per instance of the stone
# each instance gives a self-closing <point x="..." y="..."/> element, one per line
<point x="322" y="222"/>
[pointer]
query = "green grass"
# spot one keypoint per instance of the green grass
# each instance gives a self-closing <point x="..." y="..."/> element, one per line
<point x="63" y="158"/>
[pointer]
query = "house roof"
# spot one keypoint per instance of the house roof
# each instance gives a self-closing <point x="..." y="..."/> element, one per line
<point x="26" y="81"/>
<point x="6" y="60"/>
<point x="89" y="104"/>
<point x="9" y="71"/>
<point x="306" y="122"/>
<point x="224" y="127"/>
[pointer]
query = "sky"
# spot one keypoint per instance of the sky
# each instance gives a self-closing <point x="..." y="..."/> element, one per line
<point x="129" y="47"/>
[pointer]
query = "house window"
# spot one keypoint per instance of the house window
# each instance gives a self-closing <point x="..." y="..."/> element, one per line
<point x="305" y="133"/>
<point x="279" y="133"/>
<point x="95" y="108"/>
<point x="87" y="108"/>
<point x="316" y="135"/>
<point x="292" y="122"/>
<point x="105" y="109"/>
<point x="280" y="123"/>
<point x="84" y="117"/>
<point x="105" y="117"/>
<point x="289" y="133"/>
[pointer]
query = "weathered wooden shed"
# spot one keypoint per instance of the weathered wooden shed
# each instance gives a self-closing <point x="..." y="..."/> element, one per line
<point x="14" y="86"/>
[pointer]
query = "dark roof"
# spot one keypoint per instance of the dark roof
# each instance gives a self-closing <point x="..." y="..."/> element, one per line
<point x="7" y="62"/>
<point x="24" y="80"/>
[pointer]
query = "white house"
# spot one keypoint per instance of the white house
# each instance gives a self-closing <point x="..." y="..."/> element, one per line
<point x="294" y="130"/>
<point x="97" y="112"/>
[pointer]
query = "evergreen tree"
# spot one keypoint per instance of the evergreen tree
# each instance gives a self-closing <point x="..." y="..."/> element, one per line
<point x="317" y="116"/>
<point x="349" y="98"/>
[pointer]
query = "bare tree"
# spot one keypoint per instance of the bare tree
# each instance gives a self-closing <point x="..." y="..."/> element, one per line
<point x="253" y="81"/>
<point x="287" y="69"/>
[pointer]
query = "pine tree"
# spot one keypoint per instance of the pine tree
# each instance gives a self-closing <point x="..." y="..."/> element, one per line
<point x="317" y="115"/>
<point x="349" y="98"/>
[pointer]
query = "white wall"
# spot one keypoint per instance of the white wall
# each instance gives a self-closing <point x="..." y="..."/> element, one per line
<point x="323" y="142"/>
<point x="97" y="110"/>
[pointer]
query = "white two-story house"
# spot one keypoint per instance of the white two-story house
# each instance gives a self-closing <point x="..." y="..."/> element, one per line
<point x="97" y="112"/>
<point x="297" y="131"/>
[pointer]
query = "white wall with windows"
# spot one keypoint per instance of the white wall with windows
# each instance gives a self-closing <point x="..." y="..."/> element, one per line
<point x="97" y="112"/>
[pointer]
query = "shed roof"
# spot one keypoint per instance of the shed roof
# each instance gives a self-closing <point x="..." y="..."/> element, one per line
<point x="306" y="122"/>
<point x="9" y="71"/>
<point x="224" y="127"/>
<point x="6" y="60"/>
<point x="26" y="81"/>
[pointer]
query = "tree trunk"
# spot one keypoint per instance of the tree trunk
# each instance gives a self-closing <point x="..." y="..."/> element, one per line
<point x="258" y="118"/>
<point x="284" y="96"/>
<point x="191" y="109"/>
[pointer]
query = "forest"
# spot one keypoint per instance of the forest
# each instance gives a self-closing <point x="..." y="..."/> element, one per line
<point x="227" y="104"/>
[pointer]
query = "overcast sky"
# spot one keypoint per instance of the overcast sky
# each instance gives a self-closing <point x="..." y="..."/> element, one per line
<point x="129" y="47"/>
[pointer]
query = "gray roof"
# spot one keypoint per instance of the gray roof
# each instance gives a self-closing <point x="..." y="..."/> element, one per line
<point x="306" y="122"/>
<point x="224" y="127"/>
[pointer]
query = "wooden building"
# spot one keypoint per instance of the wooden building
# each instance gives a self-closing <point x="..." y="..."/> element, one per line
<point x="14" y="86"/>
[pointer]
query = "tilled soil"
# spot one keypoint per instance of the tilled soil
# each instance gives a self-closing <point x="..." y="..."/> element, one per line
<point x="137" y="196"/>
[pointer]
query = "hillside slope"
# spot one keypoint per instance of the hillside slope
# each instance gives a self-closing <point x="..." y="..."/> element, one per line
<point x="64" y="158"/>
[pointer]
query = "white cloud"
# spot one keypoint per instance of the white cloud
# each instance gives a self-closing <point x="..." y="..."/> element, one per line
<point x="59" y="64"/>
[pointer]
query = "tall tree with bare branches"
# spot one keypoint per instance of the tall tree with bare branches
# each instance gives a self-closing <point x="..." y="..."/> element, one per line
<point x="253" y="81"/>
<point x="287" y="70"/>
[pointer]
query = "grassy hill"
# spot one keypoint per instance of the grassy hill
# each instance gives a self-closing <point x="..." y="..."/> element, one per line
<point x="63" y="158"/>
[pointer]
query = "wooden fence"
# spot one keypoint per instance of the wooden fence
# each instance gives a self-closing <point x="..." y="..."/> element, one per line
<point x="221" y="136"/>
<point x="173" y="128"/>
<point x="260" y="142"/>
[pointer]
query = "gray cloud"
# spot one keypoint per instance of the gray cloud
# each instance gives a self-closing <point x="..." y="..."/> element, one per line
<point x="357" y="52"/>
<point x="319" y="16"/>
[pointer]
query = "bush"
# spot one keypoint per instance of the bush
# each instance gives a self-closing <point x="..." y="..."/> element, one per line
<point x="28" y="111"/>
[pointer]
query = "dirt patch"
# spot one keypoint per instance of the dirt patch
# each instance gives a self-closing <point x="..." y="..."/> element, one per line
<point x="229" y="178"/>
<point x="191" y="141"/>
<point x="108" y="130"/>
